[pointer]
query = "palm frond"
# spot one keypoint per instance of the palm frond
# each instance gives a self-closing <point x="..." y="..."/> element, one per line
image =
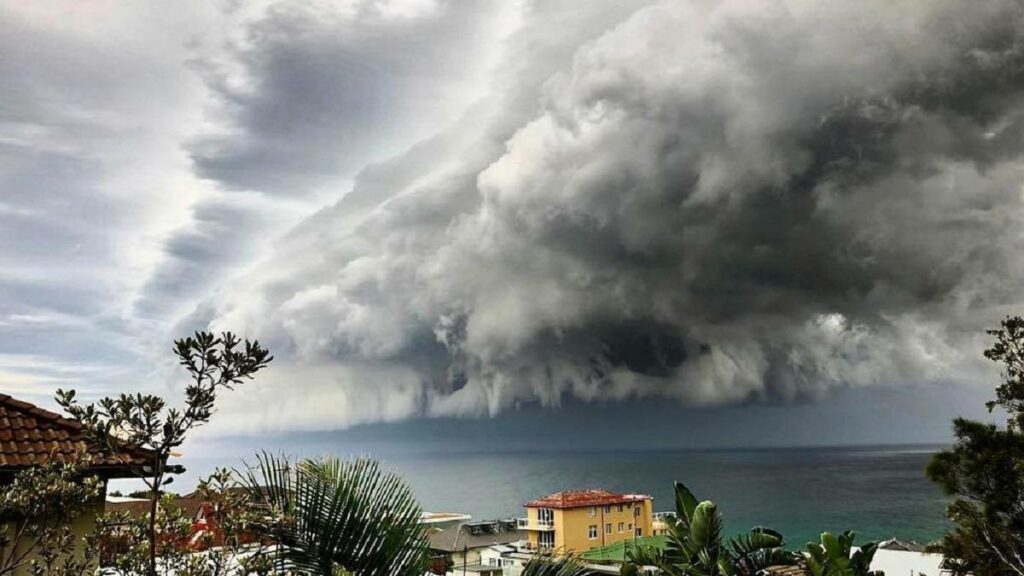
<point x="550" y="565"/>
<point x="347" y="515"/>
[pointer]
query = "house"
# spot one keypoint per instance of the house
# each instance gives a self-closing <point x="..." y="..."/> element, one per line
<point x="900" y="558"/>
<point x="458" y="547"/>
<point x="31" y="436"/>
<point x="443" y="519"/>
<point x="581" y="520"/>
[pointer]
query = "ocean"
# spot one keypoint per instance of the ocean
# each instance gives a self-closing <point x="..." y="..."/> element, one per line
<point x="880" y="492"/>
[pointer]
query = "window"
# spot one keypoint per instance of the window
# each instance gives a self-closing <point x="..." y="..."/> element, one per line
<point x="630" y="526"/>
<point x="545" y="516"/>
<point x="592" y="532"/>
<point x="608" y="528"/>
<point x="636" y="511"/>
<point x="607" y="509"/>
<point x="593" y="511"/>
<point x="639" y="531"/>
<point x="622" y="526"/>
<point x="546" y="540"/>
<point x="620" y="508"/>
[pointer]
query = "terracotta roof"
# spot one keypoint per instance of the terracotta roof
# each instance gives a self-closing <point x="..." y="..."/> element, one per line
<point x="30" y="435"/>
<point x="578" y="498"/>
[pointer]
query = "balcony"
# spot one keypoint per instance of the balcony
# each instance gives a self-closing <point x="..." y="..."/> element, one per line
<point x="535" y="525"/>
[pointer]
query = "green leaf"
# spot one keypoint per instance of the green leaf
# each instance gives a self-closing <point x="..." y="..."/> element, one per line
<point x="686" y="502"/>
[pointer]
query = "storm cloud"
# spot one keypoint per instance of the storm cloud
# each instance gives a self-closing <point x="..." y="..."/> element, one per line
<point x="433" y="208"/>
<point x="715" y="203"/>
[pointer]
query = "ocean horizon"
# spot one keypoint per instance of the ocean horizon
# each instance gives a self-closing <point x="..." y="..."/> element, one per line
<point x="879" y="491"/>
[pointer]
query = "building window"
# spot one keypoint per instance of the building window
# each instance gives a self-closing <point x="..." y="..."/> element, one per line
<point x="593" y="511"/>
<point x="592" y="532"/>
<point x="545" y="516"/>
<point x="639" y="531"/>
<point x="608" y="528"/>
<point x="607" y="509"/>
<point x="622" y="526"/>
<point x="620" y="508"/>
<point x="546" y="540"/>
<point x="630" y="526"/>
<point x="636" y="511"/>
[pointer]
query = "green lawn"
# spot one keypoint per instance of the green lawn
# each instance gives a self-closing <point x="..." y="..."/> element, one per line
<point x="617" y="552"/>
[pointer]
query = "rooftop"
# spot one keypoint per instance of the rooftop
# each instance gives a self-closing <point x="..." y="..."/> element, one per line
<point x="580" y="498"/>
<point x="442" y="517"/>
<point x="479" y="534"/>
<point x="30" y="435"/>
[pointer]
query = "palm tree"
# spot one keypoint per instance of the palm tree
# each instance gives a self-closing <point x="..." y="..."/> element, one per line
<point x="340" y="516"/>
<point x="832" y="556"/>
<point x="548" y="565"/>
<point x="695" y="545"/>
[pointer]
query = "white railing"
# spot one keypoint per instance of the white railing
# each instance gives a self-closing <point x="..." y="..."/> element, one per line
<point x="531" y="524"/>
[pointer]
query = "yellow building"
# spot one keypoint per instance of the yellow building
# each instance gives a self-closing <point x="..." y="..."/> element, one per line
<point x="581" y="520"/>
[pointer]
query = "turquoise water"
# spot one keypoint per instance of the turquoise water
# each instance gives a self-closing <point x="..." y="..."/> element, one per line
<point x="879" y="492"/>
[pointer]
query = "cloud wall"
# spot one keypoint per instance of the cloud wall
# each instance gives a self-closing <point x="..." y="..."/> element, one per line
<point x="708" y="202"/>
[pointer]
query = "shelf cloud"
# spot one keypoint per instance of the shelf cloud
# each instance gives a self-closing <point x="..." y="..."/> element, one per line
<point x="707" y="202"/>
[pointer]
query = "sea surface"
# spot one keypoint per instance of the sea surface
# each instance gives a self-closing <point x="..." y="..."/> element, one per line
<point x="880" y="492"/>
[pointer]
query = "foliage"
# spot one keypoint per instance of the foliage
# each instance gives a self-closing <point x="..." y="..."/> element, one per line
<point x="232" y="542"/>
<point x="550" y="565"/>
<point x="145" y="422"/>
<point x="37" y="509"/>
<point x="341" y="516"/>
<point x="834" y="556"/>
<point x="985" y="471"/>
<point x="696" y="546"/>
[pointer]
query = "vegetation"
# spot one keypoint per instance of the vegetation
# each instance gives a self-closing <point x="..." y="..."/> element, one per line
<point x="696" y="546"/>
<point x="548" y="565"/>
<point x="145" y="422"/>
<point x="38" y="508"/>
<point x="347" y="517"/>
<point x="835" y="556"/>
<point x="985" y="473"/>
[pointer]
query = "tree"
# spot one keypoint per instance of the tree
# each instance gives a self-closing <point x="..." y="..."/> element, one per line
<point x="696" y="546"/>
<point x="835" y="556"/>
<point x="37" y="509"/>
<point x="231" y="543"/>
<point x="341" y="516"/>
<point x="146" y="421"/>
<point x="984" y="471"/>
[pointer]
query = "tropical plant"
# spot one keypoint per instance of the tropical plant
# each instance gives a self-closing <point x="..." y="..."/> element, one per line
<point x="143" y="421"/>
<point x="551" y="565"/>
<point x="984" y="471"/>
<point x="340" y="516"/>
<point x="835" y="556"/>
<point x="696" y="546"/>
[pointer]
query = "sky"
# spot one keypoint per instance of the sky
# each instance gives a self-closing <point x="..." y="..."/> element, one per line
<point x="735" y="216"/>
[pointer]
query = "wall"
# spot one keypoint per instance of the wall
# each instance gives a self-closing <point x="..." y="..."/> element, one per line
<point x="572" y="533"/>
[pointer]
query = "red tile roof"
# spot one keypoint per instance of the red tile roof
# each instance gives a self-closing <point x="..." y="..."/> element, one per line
<point x="579" y="498"/>
<point x="30" y="435"/>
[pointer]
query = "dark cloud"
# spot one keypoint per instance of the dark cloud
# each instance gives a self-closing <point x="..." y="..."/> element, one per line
<point x="716" y="204"/>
